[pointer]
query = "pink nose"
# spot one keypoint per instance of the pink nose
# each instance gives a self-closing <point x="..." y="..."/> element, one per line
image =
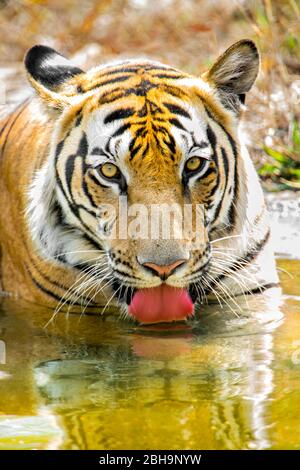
<point x="164" y="271"/>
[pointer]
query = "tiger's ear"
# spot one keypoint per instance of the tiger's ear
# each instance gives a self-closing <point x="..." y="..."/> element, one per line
<point x="48" y="71"/>
<point x="234" y="73"/>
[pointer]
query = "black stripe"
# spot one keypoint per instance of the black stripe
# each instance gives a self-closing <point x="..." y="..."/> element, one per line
<point x="43" y="289"/>
<point x="173" y="91"/>
<point x="251" y="255"/>
<point x="171" y="143"/>
<point x="219" y="206"/>
<point x="110" y="96"/>
<point x="57" y="297"/>
<point x="59" y="148"/>
<point x="119" y="114"/>
<point x="83" y="146"/>
<point x="134" y="150"/>
<point x="85" y="187"/>
<point x="74" y="208"/>
<point x="107" y="147"/>
<point x="82" y="152"/>
<point x="165" y="75"/>
<point x="175" y="109"/>
<point x="211" y="136"/>
<point x="232" y="209"/>
<point x="121" y="129"/>
<point x="260" y="289"/>
<point x="162" y="129"/>
<point x="121" y="70"/>
<point x="134" y="68"/>
<point x="78" y="119"/>
<point x="45" y="277"/>
<point x="143" y="111"/>
<point x="177" y="124"/>
<point x="228" y="135"/>
<point x="158" y="142"/>
<point x="89" y="211"/>
<point x="202" y="144"/>
<point x="91" y="241"/>
<point x="153" y="107"/>
<point x="153" y="67"/>
<point x="56" y="209"/>
<point x="122" y="78"/>
<point x="141" y="89"/>
<point x="146" y="149"/>
<point x="97" y="151"/>
<point x="68" y="174"/>
<point x="141" y="132"/>
<point x="140" y="122"/>
<point x="209" y="172"/>
<point x="96" y="181"/>
<point x="69" y="170"/>
<point x="226" y="166"/>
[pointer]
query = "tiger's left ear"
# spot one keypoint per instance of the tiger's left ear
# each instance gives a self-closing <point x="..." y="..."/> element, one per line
<point x="234" y="73"/>
<point x="49" y="73"/>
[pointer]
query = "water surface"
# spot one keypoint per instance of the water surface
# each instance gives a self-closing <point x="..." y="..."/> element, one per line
<point x="230" y="380"/>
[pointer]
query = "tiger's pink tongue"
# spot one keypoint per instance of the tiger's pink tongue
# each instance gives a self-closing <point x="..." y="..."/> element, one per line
<point x="161" y="304"/>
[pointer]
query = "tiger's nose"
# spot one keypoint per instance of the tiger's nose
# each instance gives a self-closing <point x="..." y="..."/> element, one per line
<point x="164" y="271"/>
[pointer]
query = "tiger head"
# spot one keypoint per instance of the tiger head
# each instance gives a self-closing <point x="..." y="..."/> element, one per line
<point x="128" y="138"/>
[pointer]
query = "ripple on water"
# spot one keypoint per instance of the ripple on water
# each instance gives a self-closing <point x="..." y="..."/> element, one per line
<point x="223" y="381"/>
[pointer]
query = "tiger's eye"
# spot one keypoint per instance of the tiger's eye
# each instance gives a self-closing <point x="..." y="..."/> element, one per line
<point x="193" y="164"/>
<point x="109" y="170"/>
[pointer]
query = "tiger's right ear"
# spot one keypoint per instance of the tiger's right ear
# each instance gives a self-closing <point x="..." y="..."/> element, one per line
<point x="50" y="73"/>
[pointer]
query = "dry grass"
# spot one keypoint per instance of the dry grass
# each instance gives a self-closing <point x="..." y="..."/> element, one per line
<point x="188" y="34"/>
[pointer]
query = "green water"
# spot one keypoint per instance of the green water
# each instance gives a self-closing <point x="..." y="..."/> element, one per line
<point x="230" y="380"/>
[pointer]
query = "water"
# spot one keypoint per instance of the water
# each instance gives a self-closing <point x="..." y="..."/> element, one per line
<point x="220" y="383"/>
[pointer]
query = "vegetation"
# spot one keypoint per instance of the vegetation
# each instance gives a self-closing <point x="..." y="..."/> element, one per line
<point x="189" y="34"/>
<point x="284" y="167"/>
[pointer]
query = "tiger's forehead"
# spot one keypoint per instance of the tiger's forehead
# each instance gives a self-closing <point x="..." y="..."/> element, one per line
<point x="154" y="116"/>
<point x="118" y="77"/>
<point x="139" y="130"/>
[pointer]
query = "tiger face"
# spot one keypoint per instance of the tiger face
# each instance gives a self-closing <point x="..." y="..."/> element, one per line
<point x="129" y="139"/>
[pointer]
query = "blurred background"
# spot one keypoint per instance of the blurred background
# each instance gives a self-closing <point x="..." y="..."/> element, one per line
<point x="76" y="388"/>
<point x="188" y="34"/>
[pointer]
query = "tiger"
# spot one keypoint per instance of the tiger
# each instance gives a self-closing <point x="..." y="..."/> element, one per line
<point x="143" y="132"/>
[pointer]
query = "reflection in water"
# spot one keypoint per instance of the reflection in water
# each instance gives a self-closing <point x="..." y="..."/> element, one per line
<point x="99" y="384"/>
<point x="125" y="393"/>
<point x="245" y="425"/>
